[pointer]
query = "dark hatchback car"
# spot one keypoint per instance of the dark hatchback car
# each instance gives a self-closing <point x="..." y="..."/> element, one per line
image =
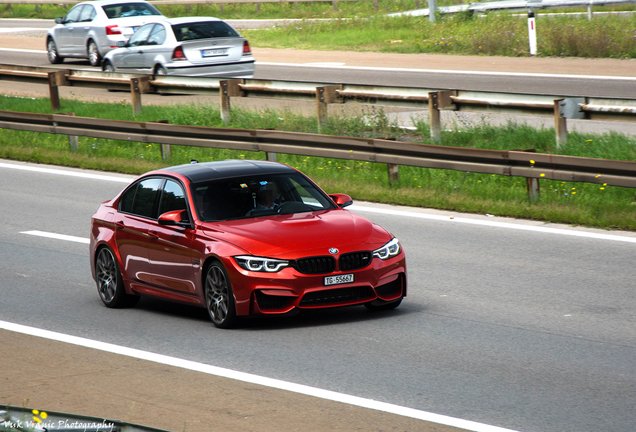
<point x="240" y="238"/>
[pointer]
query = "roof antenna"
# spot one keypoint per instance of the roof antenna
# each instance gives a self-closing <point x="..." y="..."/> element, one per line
<point x="194" y="161"/>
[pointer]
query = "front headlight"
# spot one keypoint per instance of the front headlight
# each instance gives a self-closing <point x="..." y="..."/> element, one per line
<point x="387" y="251"/>
<point x="260" y="264"/>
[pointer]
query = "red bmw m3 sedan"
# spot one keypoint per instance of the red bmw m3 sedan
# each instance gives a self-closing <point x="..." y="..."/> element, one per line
<point x="238" y="238"/>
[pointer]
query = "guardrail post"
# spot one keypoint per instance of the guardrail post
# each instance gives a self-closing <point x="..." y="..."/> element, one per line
<point x="73" y="140"/>
<point x="568" y="108"/>
<point x="394" y="172"/>
<point x="166" y="149"/>
<point x="56" y="79"/>
<point x="137" y="87"/>
<point x="229" y="88"/>
<point x="560" y="126"/>
<point x="324" y="96"/>
<point x="434" y="117"/>
<point x="533" y="188"/>
<point x="335" y="5"/>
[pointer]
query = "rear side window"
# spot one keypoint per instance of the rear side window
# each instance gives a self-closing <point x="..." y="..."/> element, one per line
<point x="203" y="30"/>
<point x="157" y="35"/>
<point x="123" y="10"/>
<point x="142" y="199"/>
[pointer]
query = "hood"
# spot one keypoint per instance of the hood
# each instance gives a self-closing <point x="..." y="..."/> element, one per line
<point x="301" y="234"/>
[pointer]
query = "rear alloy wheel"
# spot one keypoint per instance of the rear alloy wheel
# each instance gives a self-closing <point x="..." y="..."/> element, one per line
<point x="110" y="285"/>
<point x="93" y="54"/>
<point x="379" y="305"/>
<point x="219" y="299"/>
<point x="52" y="54"/>
<point x="108" y="66"/>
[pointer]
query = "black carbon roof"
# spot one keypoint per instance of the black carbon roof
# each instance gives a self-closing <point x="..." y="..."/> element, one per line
<point x="205" y="171"/>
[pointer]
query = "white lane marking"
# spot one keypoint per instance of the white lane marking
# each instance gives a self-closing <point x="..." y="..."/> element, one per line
<point x="23" y="50"/>
<point x="20" y="29"/>
<point x="442" y="71"/>
<point x="253" y="379"/>
<point x="522" y="227"/>
<point x="65" y="173"/>
<point x="57" y="236"/>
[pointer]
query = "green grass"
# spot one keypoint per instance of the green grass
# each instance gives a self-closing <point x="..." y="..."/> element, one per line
<point x="573" y="203"/>
<point x="496" y="34"/>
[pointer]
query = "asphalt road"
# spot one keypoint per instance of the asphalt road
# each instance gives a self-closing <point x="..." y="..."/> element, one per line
<point x="508" y="323"/>
<point x="560" y="77"/>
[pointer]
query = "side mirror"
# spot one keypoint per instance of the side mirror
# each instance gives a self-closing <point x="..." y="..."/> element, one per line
<point x="122" y="44"/>
<point x="341" y="200"/>
<point x="59" y="20"/>
<point x="175" y="218"/>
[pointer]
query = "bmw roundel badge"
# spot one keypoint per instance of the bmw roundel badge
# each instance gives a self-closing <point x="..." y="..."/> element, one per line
<point x="333" y="251"/>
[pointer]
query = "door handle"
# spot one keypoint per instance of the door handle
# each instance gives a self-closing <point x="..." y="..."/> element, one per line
<point x="154" y="235"/>
<point x="120" y="225"/>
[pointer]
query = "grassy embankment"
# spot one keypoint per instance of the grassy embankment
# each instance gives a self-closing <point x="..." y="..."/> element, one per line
<point x="574" y="203"/>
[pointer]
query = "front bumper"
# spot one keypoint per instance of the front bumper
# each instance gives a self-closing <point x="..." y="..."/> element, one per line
<point x="282" y="292"/>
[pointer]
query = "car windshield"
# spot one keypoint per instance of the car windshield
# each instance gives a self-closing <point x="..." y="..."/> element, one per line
<point x="247" y="197"/>
<point x="122" y="10"/>
<point x="203" y="30"/>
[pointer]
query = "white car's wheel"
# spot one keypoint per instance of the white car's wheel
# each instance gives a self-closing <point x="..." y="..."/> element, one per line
<point x="51" y="50"/>
<point x="108" y="66"/>
<point x="93" y="54"/>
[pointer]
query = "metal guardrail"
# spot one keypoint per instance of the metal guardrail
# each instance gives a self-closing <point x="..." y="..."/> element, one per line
<point x="531" y="165"/>
<point x="15" y="419"/>
<point x="560" y="108"/>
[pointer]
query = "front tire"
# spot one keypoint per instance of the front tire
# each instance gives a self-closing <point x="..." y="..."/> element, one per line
<point x="108" y="67"/>
<point x="93" y="54"/>
<point x="51" y="51"/>
<point x="110" y="285"/>
<point x="219" y="299"/>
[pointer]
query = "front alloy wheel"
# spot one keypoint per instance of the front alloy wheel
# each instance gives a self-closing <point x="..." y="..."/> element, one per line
<point x="51" y="51"/>
<point x="109" y="282"/>
<point x="108" y="67"/>
<point x="219" y="299"/>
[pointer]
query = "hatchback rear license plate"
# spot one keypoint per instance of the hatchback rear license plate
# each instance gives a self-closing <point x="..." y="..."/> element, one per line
<point x="214" y="52"/>
<point x="340" y="279"/>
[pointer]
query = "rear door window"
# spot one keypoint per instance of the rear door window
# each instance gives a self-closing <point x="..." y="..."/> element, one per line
<point x="142" y="199"/>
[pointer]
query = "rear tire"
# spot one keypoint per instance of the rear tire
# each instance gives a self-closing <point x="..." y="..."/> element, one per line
<point x="160" y="70"/>
<point x="93" y="54"/>
<point x="219" y="299"/>
<point x="110" y="285"/>
<point x="51" y="51"/>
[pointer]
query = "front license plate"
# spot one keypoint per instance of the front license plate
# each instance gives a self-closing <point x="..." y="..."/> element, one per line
<point x="214" y="52"/>
<point x="340" y="279"/>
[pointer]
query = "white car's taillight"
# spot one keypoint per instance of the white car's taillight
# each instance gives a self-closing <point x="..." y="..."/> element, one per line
<point x="178" y="54"/>
<point x="246" y="48"/>
<point x="113" y="30"/>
